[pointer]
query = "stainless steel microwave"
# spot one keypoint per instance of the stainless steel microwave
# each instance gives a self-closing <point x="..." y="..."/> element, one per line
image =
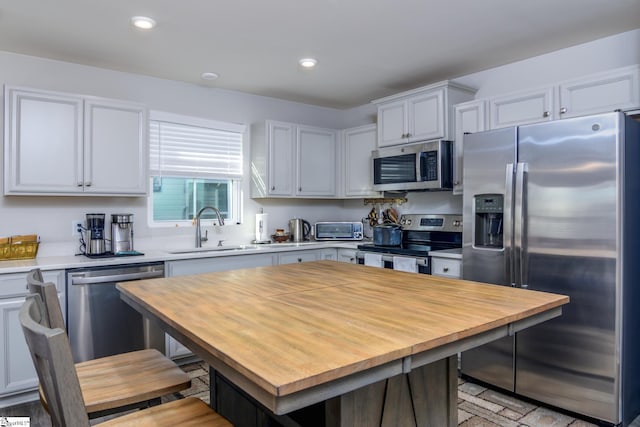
<point x="420" y="166"/>
<point x="338" y="230"/>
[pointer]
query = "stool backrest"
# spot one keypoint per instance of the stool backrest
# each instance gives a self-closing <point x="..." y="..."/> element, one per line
<point x="49" y="296"/>
<point x="51" y="354"/>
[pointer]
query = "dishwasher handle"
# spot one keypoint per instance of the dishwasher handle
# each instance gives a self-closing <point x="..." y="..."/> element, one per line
<point x="80" y="279"/>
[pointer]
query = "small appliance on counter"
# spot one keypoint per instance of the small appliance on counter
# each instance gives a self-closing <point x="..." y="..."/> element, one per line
<point x="299" y="229"/>
<point x="94" y="244"/>
<point x="121" y="233"/>
<point x="338" y="230"/>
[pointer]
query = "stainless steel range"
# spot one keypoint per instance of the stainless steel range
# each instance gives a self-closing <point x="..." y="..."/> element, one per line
<point x="421" y="233"/>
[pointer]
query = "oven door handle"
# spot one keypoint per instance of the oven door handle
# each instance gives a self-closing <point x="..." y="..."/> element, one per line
<point x="80" y="279"/>
<point x="421" y="261"/>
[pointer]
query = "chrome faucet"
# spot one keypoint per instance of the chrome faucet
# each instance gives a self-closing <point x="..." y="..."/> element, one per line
<point x="199" y="238"/>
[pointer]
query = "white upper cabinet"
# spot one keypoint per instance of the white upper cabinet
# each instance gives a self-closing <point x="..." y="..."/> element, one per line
<point x="115" y="152"/>
<point x="289" y="160"/>
<point x="469" y="117"/>
<point x="60" y="144"/>
<point x="357" y="166"/>
<point x="316" y="162"/>
<point x="520" y="108"/>
<point x="419" y="115"/>
<point x="596" y="93"/>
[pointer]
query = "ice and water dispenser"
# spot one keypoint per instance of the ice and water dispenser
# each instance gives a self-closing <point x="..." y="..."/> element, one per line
<point x="489" y="210"/>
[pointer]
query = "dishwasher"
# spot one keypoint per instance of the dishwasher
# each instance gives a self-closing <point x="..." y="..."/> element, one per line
<point x="99" y="323"/>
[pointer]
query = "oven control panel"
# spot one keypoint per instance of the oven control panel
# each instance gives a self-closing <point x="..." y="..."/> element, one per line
<point x="431" y="222"/>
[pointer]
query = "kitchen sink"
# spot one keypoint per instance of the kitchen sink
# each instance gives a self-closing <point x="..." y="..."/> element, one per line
<point x="213" y="249"/>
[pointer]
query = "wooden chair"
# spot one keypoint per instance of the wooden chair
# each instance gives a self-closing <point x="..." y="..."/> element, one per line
<point x="51" y="354"/>
<point x="113" y="383"/>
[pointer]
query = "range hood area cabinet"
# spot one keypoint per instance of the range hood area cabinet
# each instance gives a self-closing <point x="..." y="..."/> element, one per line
<point x="616" y="89"/>
<point x="420" y="114"/>
<point x="291" y="160"/>
<point x="67" y="144"/>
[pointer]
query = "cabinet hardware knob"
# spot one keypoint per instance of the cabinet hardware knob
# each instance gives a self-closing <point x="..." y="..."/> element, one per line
<point x="408" y="135"/>
<point x="87" y="184"/>
<point x="79" y="184"/>
<point x="273" y="187"/>
<point x="403" y="136"/>
<point x="299" y="188"/>
<point x="563" y="110"/>
<point x="445" y="269"/>
<point x="299" y="259"/>
<point x="546" y="114"/>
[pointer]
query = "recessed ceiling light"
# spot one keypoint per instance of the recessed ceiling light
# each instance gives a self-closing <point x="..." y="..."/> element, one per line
<point x="209" y="76"/>
<point x="308" y="62"/>
<point x="143" y="22"/>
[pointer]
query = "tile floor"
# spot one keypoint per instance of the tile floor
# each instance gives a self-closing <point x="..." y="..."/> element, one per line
<point x="477" y="406"/>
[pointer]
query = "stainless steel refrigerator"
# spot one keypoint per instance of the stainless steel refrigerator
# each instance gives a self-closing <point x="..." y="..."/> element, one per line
<point x="555" y="207"/>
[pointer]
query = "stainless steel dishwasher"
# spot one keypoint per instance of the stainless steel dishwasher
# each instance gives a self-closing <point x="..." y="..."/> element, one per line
<point x="99" y="323"/>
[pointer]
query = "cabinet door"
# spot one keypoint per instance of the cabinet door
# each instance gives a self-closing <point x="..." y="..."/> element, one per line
<point x="600" y="93"/>
<point x="115" y="153"/>
<point x="316" y="149"/>
<point x="426" y="116"/>
<point x="347" y="255"/>
<point x="17" y="372"/>
<point x="281" y="166"/>
<point x="469" y="117"/>
<point x="446" y="267"/>
<point x="358" y="167"/>
<point x="392" y="123"/>
<point x="521" y="108"/>
<point x="43" y="142"/>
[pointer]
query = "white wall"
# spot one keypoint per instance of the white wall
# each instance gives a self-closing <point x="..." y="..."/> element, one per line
<point x="51" y="217"/>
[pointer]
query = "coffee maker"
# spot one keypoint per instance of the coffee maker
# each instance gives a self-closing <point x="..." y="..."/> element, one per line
<point x="121" y="233"/>
<point x="95" y="244"/>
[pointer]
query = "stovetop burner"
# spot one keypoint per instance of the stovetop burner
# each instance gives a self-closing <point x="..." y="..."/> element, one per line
<point x="422" y="233"/>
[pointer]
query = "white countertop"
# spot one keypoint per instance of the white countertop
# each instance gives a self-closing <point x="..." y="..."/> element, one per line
<point x="81" y="261"/>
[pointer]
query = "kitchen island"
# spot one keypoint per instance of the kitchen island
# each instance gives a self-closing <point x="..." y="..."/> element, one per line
<point x="377" y="346"/>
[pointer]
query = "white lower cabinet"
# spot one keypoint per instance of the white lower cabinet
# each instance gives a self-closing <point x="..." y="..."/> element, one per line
<point x="308" y="255"/>
<point x="18" y="376"/>
<point x="347" y="255"/>
<point x="446" y="267"/>
<point x="173" y="348"/>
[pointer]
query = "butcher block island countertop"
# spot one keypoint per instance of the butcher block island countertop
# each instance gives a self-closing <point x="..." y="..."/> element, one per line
<point x="287" y="329"/>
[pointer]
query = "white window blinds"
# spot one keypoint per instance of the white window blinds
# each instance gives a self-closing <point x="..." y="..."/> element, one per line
<point x="195" y="148"/>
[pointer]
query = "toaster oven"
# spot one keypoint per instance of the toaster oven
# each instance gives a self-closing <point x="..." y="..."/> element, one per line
<point x="338" y="230"/>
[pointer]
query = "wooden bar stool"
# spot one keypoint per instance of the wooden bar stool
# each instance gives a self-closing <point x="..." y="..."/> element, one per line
<point x="113" y="383"/>
<point x="51" y="354"/>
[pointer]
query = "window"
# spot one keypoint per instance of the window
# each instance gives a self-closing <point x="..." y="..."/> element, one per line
<point x="194" y="163"/>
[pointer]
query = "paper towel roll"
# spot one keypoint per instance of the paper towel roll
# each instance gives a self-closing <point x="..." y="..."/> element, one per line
<point x="262" y="228"/>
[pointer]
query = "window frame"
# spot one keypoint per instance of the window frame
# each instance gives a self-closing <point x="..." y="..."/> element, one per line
<point x="235" y="204"/>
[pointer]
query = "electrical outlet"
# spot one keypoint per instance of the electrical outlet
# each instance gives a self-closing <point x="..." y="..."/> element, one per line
<point x="76" y="227"/>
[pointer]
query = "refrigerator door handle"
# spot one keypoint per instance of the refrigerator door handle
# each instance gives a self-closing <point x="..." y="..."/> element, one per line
<point x="519" y="229"/>
<point x="508" y="224"/>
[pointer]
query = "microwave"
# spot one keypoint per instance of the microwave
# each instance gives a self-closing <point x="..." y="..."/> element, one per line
<point x="421" y="166"/>
<point x="338" y="230"/>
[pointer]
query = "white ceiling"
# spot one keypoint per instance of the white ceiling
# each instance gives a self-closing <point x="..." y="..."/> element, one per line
<point x="366" y="49"/>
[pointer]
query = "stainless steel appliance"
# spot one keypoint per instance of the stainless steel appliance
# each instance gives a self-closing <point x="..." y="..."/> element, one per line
<point x="421" y="166"/>
<point x="554" y="207"/>
<point x="338" y="230"/>
<point x="95" y="243"/>
<point x="299" y="229"/>
<point x="421" y="233"/>
<point x="99" y="323"/>
<point x="121" y="233"/>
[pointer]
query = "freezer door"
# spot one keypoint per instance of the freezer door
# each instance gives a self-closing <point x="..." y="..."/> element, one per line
<point x="488" y="176"/>
<point x="570" y="246"/>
